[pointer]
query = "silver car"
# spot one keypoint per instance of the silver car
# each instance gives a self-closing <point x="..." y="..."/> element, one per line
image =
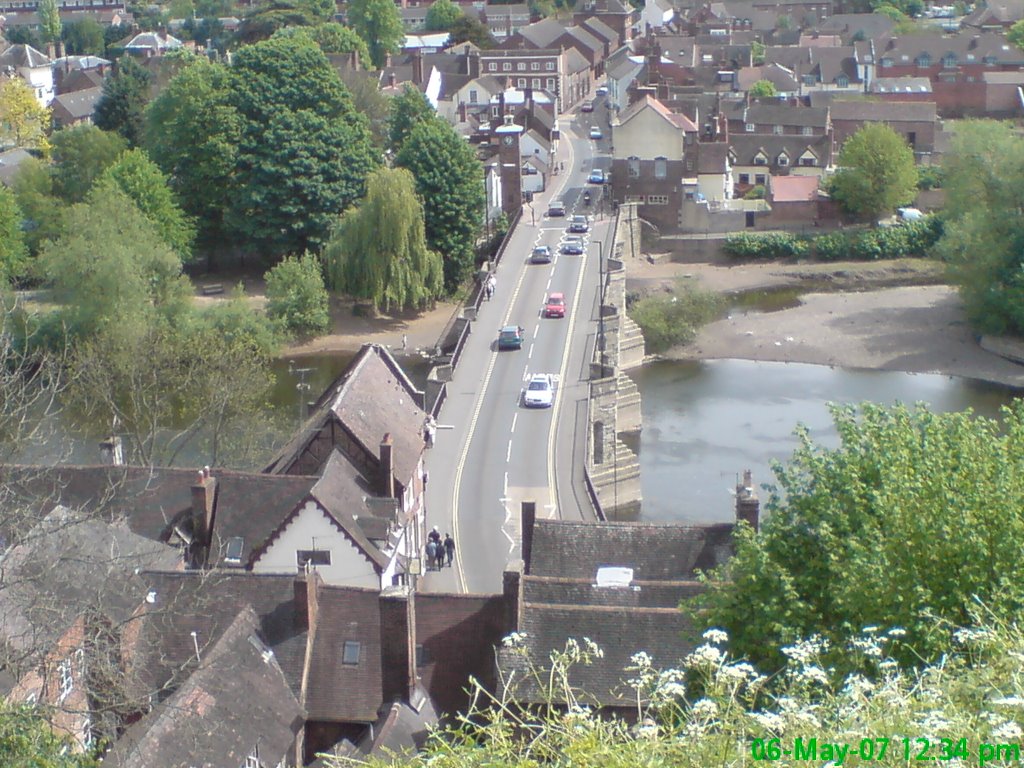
<point x="540" y="391"/>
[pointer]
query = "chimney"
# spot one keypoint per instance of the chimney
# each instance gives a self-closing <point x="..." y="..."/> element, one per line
<point x="306" y="592"/>
<point x="51" y="51"/>
<point x="60" y="49"/>
<point x="528" y="516"/>
<point x="204" y="499"/>
<point x="417" y="67"/>
<point x="748" y="508"/>
<point x="723" y="128"/>
<point x="397" y="644"/>
<point x="512" y="593"/>
<point x="387" y="467"/>
<point x="111" y="453"/>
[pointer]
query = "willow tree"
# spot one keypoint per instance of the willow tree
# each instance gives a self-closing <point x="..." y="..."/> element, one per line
<point x="378" y="251"/>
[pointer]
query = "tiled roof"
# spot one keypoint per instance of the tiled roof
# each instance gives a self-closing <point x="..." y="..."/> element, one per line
<point x="400" y="731"/>
<point x="976" y="44"/>
<point x="80" y="80"/>
<point x="640" y="594"/>
<point x="783" y="79"/>
<point x="794" y="189"/>
<point x="712" y="157"/>
<point x="774" y="113"/>
<point x="575" y="61"/>
<point x="679" y="121"/>
<point x="585" y="39"/>
<point x="601" y="30"/>
<point x="999" y="12"/>
<point x="746" y="146"/>
<point x="884" y="111"/>
<point x="909" y="84"/>
<point x="833" y="62"/>
<point x="76" y="105"/>
<point x="542" y="33"/>
<point x="654" y="552"/>
<point x="870" y="25"/>
<point x="236" y="699"/>
<point x="23" y="56"/>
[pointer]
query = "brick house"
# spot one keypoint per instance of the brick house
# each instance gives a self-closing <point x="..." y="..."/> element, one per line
<point x="547" y="69"/>
<point x="616" y="14"/>
<point x="775" y="117"/>
<point x="917" y="122"/>
<point x="756" y="158"/>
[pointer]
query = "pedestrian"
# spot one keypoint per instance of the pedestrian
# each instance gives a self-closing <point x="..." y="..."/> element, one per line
<point x="492" y="286"/>
<point x="429" y="431"/>
<point x="435" y="535"/>
<point x="405" y="342"/>
<point x="449" y="548"/>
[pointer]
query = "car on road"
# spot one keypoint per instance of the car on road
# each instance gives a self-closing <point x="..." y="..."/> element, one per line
<point x="556" y="208"/>
<point x="579" y="224"/>
<point x="555" y="305"/>
<point x="602" y="90"/>
<point x="595" y="133"/>
<point x="596" y="176"/>
<point x="573" y="245"/>
<point x="540" y="391"/>
<point x="588" y="106"/>
<point x="510" y="337"/>
<point x="541" y="255"/>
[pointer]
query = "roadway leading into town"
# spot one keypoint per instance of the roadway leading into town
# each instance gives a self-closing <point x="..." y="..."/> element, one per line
<point x="492" y="453"/>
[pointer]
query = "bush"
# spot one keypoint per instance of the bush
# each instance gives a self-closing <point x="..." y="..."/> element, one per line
<point x="833" y="246"/>
<point x="296" y="296"/>
<point x="929" y="177"/>
<point x="670" y="320"/>
<point x="768" y="245"/>
<point x="239" y="323"/>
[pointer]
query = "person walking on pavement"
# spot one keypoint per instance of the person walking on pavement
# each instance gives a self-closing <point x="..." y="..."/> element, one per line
<point x="430" y="431"/>
<point x="492" y="283"/>
<point x="449" y="548"/>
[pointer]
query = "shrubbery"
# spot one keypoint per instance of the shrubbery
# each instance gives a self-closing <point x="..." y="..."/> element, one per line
<point x="668" y="320"/>
<point x="767" y="245"/>
<point x="296" y="295"/>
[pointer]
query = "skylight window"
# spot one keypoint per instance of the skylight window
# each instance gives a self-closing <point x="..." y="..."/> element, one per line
<point x="350" y="652"/>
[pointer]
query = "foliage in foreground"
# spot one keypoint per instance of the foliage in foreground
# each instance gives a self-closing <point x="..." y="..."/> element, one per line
<point x="915" y="518"/>
<point x="711" y="710"/>
<point x="26" y="741"/>
<point x="668" y="320"/>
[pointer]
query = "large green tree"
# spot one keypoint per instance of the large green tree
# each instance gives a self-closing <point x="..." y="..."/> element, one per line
<point x="304" y="150"/>
<point x="49" y="20"/>
<point x="913" y="521"/>
<point x="449" y="180"/>
<point x="122" y="106"/>
<point x="441" y="15"/>
<point x="23" y="121"/>
<point x="876" y="172"/>
<point x="379" y="23"/>
<point x="41" y="209"/>
<point x="192" y="133"/>
<point x="13" y="252"/>
<point x="80" y="155"/>
<point x="332" y="37"/>
<point x="84" y="37"/>
<point x="468" y="29"/>
<point x="379" y="253"/>
<point x="407" y="110"/>
<point x="265" y="19"/>
<point x="983" y="175"/>
<point x="1015" y="35"/>
<point x="296" y="296"/>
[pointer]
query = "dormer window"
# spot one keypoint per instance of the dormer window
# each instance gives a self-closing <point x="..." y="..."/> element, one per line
<point x="989" y="61"/>
<point x="783" y="159"/>
<point x="749" y="127"/>
<point x="924" y="60"/>
<point x="949" y="61"/>
<point x="760" y="159"/>
<point x="842" y="81"/>
<point x="885" y="62"/>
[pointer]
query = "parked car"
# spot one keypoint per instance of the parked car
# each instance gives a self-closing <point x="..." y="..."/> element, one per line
<point x="540" y="392"/>
<point x="596" y="176"/>
<point x="555" y="305"/>
<point x="541" y="255"/>
<point x="579" y="224"/>
<point x="595" y="133"/>
<point x="588" y="106"/>
<point x="602" y="90"/>
<point x="510" y="337"/>
<point x="573" y="245"/>
<point x="556" y="208"/>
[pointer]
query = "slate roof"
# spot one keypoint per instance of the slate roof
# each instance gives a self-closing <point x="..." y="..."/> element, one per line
<point x="977" y="44"/>
<point x="884" y="111"/>
<point x="774" y="113"/>
<point x="542" y="33"/>
<point x="640" y="594"/>
<point x="22" y="55"/>
<point x="996" y="12"/>
<point x="679" y="121"/>
<point x="833" y="62"/>
<point x="236" y="699"/>
<point x="77" y="105"/>
<point x="871" y="26"/>
<point x="654" y="552"/>
<point x="340" y="692"/>
<point x="68" y="565"/>
<point x="151" y="41"/>
<point x="782" y="78"/>
<point x="712" y="157"/>
<point x="400" y="731"/>
<point x="584" y="39"/>
<point x="601" y="30"/>
<point x="371" y="398"/>
<point x="80" y="80"/>
<point x="908" y="84"/>
<point x="794" y="189"/>
<point x="575" y="61"/>
<point x="745" y="147"/>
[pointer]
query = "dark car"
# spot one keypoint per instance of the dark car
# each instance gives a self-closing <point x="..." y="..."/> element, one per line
<point x="588" y="106"/>
<point x="573" y="245"/>
<point x="541" y="255"/>
<point x="510" y="337"/>
<point x="556" y="208"/>
<point x="579" y="224"/>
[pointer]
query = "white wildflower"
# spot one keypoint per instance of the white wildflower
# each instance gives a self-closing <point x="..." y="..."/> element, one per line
<point x="769" y="721"/>
<point x="705" y="709"/>
<point x="593" y="648"/>
<point x="703" y="655"/>
<point x="802" y="717"/>
<point x="577" y="712"/>
<point x="970" y="636"/>
<point x="869" y="630"/>
<point x="897" y="632"/>
<point x="1006" y="732"/>
<point x="1009" y="701"/>
<point x="648" y="729"/>
<point x="812" y="674"/>
<point x="716" y="636"/>
<point x="738" y="672"/>
<point x="867" y="645"/>
<point x="513" y="640"/>
<point x="641" y="660"/>
<point x="671" y="690"/>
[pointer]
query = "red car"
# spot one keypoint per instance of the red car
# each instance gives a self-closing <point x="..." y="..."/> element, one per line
<point x="555" y="305"/>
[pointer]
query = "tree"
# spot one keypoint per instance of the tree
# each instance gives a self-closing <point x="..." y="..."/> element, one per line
<point x="378" y="252"/>
<point x="441" y="15"/>
<point x="983" y="175"/>
<point x="304" y="151"/>
<point x="84" y="37"/>
<point x="331" y="37"/>
<point x="192" y="134"/>
<point x="369" y="101"/>
<point x="296" y="296"/>
<point x="757" y="53"/>
<point x="876" y="172"/>
<point x="42" y="211"/>
<point x="80" y="155"/>
<point x="13" y="252"/>
<point x="904" y="525"/>
<point x="466" y="29"/>
<point x="27" y="740"/>
<point x="1015" y="35"/>
<point x="762" y="89"/>
<point x="49" y="20"/>
<point x="264" y="20"/>
<point x="110" y="267"/>
<point x="23" y="121"/>
<point x="449" y="180"/>
<point x="379" y="23"/>
<point x="408" y="109"/>
<point x="125" y="95"/>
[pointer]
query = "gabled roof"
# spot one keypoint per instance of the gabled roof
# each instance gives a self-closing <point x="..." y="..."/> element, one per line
<point x="76" y="105"/>
<point x="776" y="113"/>
<point x="782" y="78"/>
<point x="649" y="102"/>
<point x="794" y="189"/>
<point x="575" y="61"/>
<point x="585" y="39"/>
<point x="884" y="111"/>
<point x="869" y="26"/>
<point x="910" y="84"/>
<point x="542" y="33"/>
<point x="151" y="41"/>
<point x="22" y="55"/>
<point x="712" y="157"/>
<point x="601" y="30"/>
<point x="746" y="146"/>
<point x="236" y="700"/>
<point x="399" y="731"/>
<point x="995" y="13"/>
<point x="80" y="80"/>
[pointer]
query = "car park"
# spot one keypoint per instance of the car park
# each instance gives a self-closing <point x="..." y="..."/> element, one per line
<point x="573" y="245"/>
<point x="555" y="305"/>
<point x="595" y="133"/>
<point x="556" y="208"/>
<point x="541" y="255"/>
<point x="579" y="224"/>
<point x="588" y="106"/>
<point x="596" y="176"/>
<point x="510" y="337"/>
<point x="540" y="391"/>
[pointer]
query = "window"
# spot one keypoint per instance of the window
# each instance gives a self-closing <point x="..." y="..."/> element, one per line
<point x="535" y="66"/>
<point x="744" y="178"/>
<point x="535" y="82"/>
<point x="777" y="130"/>
<point x="843" y="81"/>
<point x="350" y="652"/>
<point x="809" y="79"/>
<point x="422" y="655"/>
<point x="312" y="557"/>
<point x="989" y="61"/>
<point x="783" y="160"/>
<point x="949" y="61"/>
<point x="634" y="167"/>
<point x="657" y="199"/>
<point x="521" y="66"/>
<point x="520" y="82"/>
<point x="924" y="60"/>
<point x="253" y="760"/>
<point x="760" y="178"/>
<point x="970" y="57"/>
<point x="506" y="66"/>
<point x="760" y="160"/>
<point x="495" y="112"/>
<point x="749" y="127"/>
<point x="807" y="130"/>
<point x="807" y="162"/>
<point x="550" y="66"/>
<point x="886" y="62"/>
<point x="551" y="84"/>
<point x="492" y="66"/>
<point x="660" y="167"/>
<point x="472" y="95"/>
<point x="67" y="680"/>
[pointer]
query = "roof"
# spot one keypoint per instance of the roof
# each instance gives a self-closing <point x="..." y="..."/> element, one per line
<point x="997" y="12"/>
<point x="236" y="700"/>
<point x="1003" y="78"/>
<point x="782" y="78"/>
<point x="9" y="162"/>
<point x="401" y="731"/>
<point x="970" y="43"/>
<point x="586" y="39"/>
<point x="601" y="30"/>
<point x="76" y="105"/>
<point x="794" y="189"/>
<point x="744" y="147"/>
<point x="542" y="33"/>
<point x="575" y="61"/>
<point x="22" y="55"/>
<point x="712" y="157"/>
<point x="884" y="111"/>
<point x="79" y="80"/>
<point x="649" y="102"/>
<point x="869" y="26"/>
<point x="152" y="41"/>
<point x="69" y="564"/>
<point x="912" y="84"/>
<point x="82" y="62"/>
<point x="654" y="552"/>
<point x="371" y="398"/>
<point x="776" y="113"/>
